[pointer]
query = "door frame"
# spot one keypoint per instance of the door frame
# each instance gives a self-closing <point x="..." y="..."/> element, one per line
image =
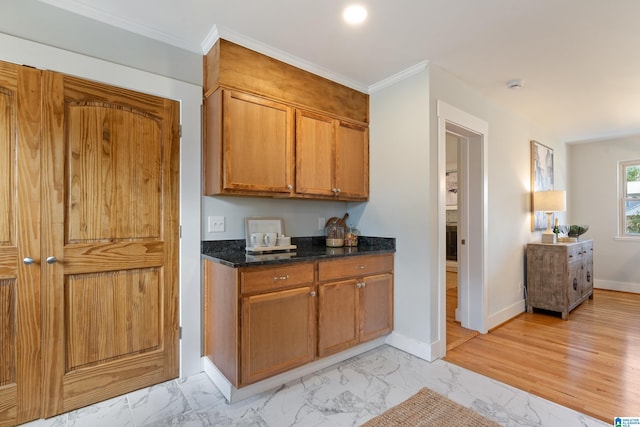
<point x="472" y="228"/>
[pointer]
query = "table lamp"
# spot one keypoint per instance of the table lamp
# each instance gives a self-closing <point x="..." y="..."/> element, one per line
<point x="549" y="201"/>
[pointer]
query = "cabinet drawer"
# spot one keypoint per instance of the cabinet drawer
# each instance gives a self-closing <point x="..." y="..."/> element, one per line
<point x="354" y="266"/>
<point x="269" y="278"/>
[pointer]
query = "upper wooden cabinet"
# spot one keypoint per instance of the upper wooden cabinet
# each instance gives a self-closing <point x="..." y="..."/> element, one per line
<point x="332" y="157"/>
<point x="273" y="130"/>
<point x="248" y="144"/>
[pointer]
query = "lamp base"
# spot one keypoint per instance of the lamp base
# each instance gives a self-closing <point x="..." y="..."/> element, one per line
<point x="549" y="238"/>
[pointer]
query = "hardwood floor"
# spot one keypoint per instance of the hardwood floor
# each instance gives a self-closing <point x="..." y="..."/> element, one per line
<point x="590" y="363"/>
<point x="456" y="334"/>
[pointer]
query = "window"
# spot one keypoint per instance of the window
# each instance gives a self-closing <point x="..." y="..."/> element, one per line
<point x="630" y="199"/>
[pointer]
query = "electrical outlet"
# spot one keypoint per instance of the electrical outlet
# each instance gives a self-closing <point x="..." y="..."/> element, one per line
<point x="321" y="223"/>
<point x="216" y="224"/>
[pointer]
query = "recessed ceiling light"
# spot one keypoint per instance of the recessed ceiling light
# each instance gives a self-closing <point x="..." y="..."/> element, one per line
<point x="354" y="14"/>
<point x="515" y="84"/>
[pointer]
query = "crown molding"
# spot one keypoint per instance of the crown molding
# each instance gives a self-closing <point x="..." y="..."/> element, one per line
<point x="102" y="16"/>
<point x="415" y="69"/>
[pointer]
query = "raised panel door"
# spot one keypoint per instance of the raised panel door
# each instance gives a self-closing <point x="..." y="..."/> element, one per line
<point x="376" y="306"/>
<point x="352" y="161"/>
<point x="315" y="154"/>
<point x="337" y="317"/>
<point x="20" y="113"/>
<point x="257" y="144"/>
<point x="277" y="332"/>
<point x="110" y="233"/>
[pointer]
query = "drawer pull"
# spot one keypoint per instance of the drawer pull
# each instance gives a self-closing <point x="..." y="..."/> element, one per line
<point x="286" y="277"/>
<point x="361" y="267"/>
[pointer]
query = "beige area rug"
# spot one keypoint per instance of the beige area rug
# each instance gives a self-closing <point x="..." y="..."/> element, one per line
<point x="428" y="408"/>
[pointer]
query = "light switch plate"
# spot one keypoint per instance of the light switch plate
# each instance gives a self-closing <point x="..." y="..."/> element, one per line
<point x="216" y="224"/>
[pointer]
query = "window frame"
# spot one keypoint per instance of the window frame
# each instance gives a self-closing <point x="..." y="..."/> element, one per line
<point x="623" y="198"/>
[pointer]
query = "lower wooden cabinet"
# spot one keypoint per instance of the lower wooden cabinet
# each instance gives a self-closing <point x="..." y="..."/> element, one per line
<point x="354" y="311"/>
<point x="265" y="320"/>
<point x="278" y="332"/>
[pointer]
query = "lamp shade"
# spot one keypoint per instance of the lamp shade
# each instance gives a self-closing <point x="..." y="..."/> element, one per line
<point x="550" y="200"/>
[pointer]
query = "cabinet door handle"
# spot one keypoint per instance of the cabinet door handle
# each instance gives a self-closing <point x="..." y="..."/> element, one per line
<point x="575" y="284"/>
<point x="28" y="261"/>
<point x="589" y="276"/>
<point x="312" y="293"/>
<point x="51" y="260"/>
<point x="285" y="277"/>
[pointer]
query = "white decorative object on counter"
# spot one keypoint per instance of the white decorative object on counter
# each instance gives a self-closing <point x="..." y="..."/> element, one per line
<point x="266" y="234"/>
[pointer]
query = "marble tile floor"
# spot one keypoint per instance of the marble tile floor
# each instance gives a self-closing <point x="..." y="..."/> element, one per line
<point x="347" y="394"/>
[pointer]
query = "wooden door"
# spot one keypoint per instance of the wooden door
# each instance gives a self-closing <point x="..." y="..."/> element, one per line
<point x="19" y="240"/>
<point x="337" y="317"/>
<point x="257" y="144"/>
<point x="376" y="306"/>
<point x="278" y="332"/>
<point x="352" y="161"/>
<point x="110" y="236"/>
<point x="315" y="154"/>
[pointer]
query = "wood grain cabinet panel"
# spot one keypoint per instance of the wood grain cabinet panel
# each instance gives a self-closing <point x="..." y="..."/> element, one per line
<point x="305" y="138"/>
<point x="332" y="157"/>
<point x="356" y="310"/>
<point x="559" y="276"/>
<point x="264" y="320"/>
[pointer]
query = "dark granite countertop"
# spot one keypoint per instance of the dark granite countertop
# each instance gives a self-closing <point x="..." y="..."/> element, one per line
<point x="232" y="253"/>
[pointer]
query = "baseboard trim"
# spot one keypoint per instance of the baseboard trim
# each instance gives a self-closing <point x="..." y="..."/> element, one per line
<point x="412" y="346"/>
<point x="233" y="394"/>
<point x="506" y="314"/>
<point x="610" y="285"/>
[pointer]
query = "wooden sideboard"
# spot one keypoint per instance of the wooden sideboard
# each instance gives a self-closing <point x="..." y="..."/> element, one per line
<point x="559" y="276"/>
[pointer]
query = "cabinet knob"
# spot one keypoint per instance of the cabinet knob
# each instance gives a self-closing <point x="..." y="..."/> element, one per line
<point x="338" y="190"/>
<point x="285" y="277"/>
<point x="28" y="261"/>
<point x="312" y="293"/>
<point x="289" y="187"/>
<point x="51" y="260"/>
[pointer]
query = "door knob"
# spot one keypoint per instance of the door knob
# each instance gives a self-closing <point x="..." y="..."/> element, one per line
<point x="51" y="260"/>
<point x="28" y="261"/>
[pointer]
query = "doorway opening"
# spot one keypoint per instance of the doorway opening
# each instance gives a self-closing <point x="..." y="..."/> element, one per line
<point x="471" y="210"/>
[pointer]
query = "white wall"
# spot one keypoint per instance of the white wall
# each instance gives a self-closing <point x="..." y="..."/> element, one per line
<point x="593" y="200"/>
<point x="21" y="51"/>
<point x="399" y="204"/>
<point x="403" y="203"/>
<point x="509" y="227"/>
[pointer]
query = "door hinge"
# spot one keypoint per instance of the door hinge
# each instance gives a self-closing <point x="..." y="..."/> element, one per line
<point x="180" y="130"/>
<point x="180" y="333"/>
<point x="180" y="231"/>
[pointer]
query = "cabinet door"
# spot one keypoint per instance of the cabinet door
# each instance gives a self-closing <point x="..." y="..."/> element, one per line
<point x="337" y="317"/>
<point x="315" y="154"/>
<point x="257" y="144"/>
<point x="376" y="306"/>
<point x="20" y="113"/>
<point x="110" y="230"/>
<point x="352" y="161"/>
<point x="277" y="332"/>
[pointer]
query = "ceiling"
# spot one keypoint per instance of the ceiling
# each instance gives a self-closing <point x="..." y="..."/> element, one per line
<point x="579" y="59"/>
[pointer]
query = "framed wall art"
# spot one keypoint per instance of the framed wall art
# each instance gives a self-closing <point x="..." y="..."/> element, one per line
<point x="541" y="179"/>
